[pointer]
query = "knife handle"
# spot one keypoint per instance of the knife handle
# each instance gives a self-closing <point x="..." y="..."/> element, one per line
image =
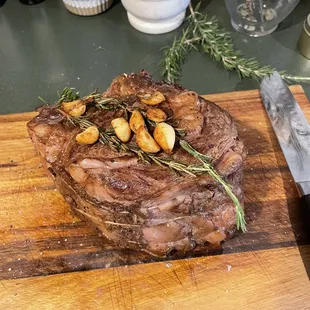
<point x="305" y="210"/>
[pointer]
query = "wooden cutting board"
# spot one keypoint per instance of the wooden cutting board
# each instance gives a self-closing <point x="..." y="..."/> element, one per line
<point x="50" y="259"/>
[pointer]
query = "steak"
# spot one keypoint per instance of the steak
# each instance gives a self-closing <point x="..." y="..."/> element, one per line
<point x="142" y="206"/>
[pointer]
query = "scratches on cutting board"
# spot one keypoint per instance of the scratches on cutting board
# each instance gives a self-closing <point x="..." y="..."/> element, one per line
<point x="119" y="280"/>
<point x="158" y="282"/>
<point x="115" y="289"/>
<point x="191" y="271"/>
<point x="110" y="290"/>
<point x="8" y="165"/>
<point x="262" y="267"/>
<point x="121" y="302"/>
<point x="187" y="265"/>
<point x="163" y="291"/>
<point x="176" y="275"/>
<point x="172" y="274"/>
<point x="130" y="287"/>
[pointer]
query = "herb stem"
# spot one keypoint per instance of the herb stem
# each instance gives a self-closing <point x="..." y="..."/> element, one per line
<point x="240" y="220"/>
<point x="41" y="99"/>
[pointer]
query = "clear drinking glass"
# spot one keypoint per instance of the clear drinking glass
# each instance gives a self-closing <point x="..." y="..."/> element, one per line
<point x="258" y="17"/>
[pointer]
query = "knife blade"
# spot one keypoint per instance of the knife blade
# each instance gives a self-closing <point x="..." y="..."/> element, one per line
<point x="293" y="133"/>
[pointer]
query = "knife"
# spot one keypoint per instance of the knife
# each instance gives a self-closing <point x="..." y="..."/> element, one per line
<point x="293" y="132"/>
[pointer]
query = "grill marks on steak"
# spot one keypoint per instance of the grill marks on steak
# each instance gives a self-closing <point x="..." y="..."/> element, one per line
<point x="140" y="206"/>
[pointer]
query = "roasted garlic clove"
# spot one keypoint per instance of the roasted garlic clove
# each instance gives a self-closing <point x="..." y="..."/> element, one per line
<point x="164" y="135"/>
<point x="122" y="129"/>
<point x="74" y="108"/>
<point x="153" y="99"/>
<point x="88" y="136"/>
<point x="146" y="142"/>
<point x="156" y="115"/>
<point x="136" y="121"/>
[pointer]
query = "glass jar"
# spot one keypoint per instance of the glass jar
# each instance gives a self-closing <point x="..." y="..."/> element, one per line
<point x="304" y="39"/>
<point x="258" y="17"/>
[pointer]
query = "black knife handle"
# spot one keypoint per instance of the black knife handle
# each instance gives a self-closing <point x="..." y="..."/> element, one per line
<point x="305" y="210"/>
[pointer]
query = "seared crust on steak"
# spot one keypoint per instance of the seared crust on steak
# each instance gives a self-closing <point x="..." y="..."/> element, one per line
<point x="145" y="206"/>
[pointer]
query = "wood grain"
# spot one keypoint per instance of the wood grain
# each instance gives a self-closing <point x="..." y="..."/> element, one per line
<point x="39" y="236"/>
<point x="268" y="279"/>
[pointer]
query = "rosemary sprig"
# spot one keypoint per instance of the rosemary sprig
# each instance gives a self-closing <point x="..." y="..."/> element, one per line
<point x="67" y="95"/>
<point x="109" y="138"/>
<point x="240" y="220"/>
<point x="217" y="43"/>
<point x="176" y="55"/>
<point x="205" y="34"/>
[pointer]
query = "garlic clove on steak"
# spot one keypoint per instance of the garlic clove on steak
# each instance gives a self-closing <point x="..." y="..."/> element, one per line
<point x="136" y="121"/>
<point x="156" y="115"/>
<point x="146" y="142"/>
<point x="164" y="135"/>
<point x="74" y="108"/>
<point x="153" y="99"/>
<point x="88" y="136"/>
<point x="121" y="128"/>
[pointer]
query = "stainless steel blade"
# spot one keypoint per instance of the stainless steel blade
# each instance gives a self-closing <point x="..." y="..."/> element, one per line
<point x="290" y="125"/>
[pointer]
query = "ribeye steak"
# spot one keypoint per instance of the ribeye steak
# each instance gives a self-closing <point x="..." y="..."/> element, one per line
<point x="145" y="206"/>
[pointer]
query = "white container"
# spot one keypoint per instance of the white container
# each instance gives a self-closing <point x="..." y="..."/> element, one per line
<point x="87" y="7"/>
<point x="156" y="16"/>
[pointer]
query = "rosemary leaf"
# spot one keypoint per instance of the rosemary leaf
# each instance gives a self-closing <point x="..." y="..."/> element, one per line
<point x="41" y="99"/>
<point x="67" y="95"/>
<point x="175" y="57"/>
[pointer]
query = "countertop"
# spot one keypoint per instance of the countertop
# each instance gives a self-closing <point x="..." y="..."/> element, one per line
<point x="43" y="48"/>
